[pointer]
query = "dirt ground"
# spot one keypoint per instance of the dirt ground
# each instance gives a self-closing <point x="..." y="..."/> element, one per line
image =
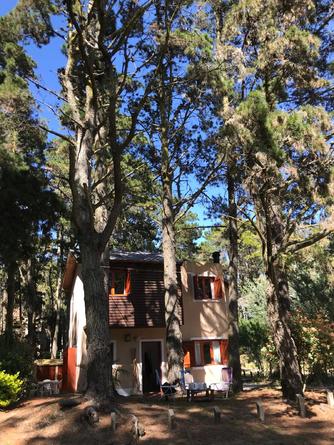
<point x="41" y="421"/>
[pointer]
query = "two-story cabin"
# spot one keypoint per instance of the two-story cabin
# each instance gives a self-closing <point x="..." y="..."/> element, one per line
<point x="137" y="321"/>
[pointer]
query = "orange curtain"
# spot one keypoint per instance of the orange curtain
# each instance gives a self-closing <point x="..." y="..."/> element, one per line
<point x="218" y="289"/>
<point x="224" y="351"/>
<point x="188" y="349"/>
<point x="128" y="283"/>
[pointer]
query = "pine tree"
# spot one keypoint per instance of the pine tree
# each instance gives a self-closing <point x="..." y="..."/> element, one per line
<point x="271" y="56"/>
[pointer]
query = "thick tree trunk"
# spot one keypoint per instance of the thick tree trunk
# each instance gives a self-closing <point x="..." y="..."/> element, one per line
<point x="173" y="311"/>
<point x="31" y="300"/>
<point x="233" y="335"/>
<point x="10" y="289"/>
<point x="278" y="299"/>
<point x="99" y="364"/>
<point x="278" y="305"/>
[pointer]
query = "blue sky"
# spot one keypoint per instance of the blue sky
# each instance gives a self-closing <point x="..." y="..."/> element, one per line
<point x="49" y="59"/>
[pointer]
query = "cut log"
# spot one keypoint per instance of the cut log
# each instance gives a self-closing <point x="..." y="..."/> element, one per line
<point x="171" y="419"/>
<point x="330" y="399"/>
<point x="113" y="421"/>
<point x="260" y="410"/>
<point x="301" y="405"/>
<point x="216" y="414"/>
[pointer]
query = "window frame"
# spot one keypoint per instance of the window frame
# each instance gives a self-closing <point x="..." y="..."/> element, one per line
<point x="198" y="349"/>
<point x="127" y="283"/>
<point x="213" y="279"/>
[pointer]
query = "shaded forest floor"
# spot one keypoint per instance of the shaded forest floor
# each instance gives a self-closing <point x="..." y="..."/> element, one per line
<point x="40" y="421"/>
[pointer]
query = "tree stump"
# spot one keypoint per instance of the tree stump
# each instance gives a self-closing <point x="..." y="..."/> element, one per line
<point x="260" y="410"/>
<point x="216" y="414"/>
<point x="113" y="421"/>
<point x="330" y="398"/>
<point x="171" y="419"/>
<point x="301" y="405"/>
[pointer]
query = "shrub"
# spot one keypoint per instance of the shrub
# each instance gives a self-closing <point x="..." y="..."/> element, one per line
<point x="253" y="337"/>
<point x="16" y="357"/>
<point x="11" y="387"/>
<point x="314" y="337"/>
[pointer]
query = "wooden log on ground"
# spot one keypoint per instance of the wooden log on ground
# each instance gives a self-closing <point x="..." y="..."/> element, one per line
<point x="113" y="421"/>
<point x="171" y="419"/>
<point x="330" y="398"/>
<point x="137" y="429"/>
<point x="216" y="414"/>
<point x="301" y="405"/>
<point x="260" y="410"/>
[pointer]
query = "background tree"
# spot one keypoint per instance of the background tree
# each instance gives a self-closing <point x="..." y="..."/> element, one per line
<point x="285" y="155"/>
<point x="174" y="147"/>
<point x="28" y="206"/>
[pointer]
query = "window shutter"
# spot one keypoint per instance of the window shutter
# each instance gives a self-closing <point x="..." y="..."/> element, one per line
<point x="224" y="352"/>
<point x="188" y="349"/>
<point x="218" y="289"/>
<point x="127" y="289"/>
<point x="195" y="280"/>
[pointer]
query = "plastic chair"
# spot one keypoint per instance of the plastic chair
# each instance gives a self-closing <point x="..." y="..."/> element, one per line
<point x="225" y="385"/>
<point x="166" y="390"/>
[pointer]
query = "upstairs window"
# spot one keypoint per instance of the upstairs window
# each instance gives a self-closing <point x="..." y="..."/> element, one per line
<point x="207" y="288"/>
<point x="120" y="282"/>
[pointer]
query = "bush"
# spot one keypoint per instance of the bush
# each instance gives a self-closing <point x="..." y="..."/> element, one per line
<point x="16" y="357"/>
<point x="11" y="387"/>
<point x="253" y="337"/>
<point x="314" y="337"/>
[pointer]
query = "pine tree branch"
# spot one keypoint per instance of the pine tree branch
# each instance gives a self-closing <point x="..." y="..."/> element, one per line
<point x="298" y="245"/>
<point x="60" y="135"/>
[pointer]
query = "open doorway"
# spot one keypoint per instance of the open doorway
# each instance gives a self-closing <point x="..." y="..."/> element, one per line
<point x="151" y="360"/>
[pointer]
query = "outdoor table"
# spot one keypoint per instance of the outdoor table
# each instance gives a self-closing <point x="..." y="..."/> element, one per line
<point x="195" y="388"/>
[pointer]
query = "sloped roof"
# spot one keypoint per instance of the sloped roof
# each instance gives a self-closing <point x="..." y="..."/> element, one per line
<point x="137" y="257"/>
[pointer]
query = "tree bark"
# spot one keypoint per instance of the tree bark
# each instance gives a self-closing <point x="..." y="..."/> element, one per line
<point x="278" y="307"/>
<point x="10" y="289"/>
<point x="54" y="345"/>
<point x="278" y="299"/>
<point x="99" y="363"/>
<point x="173" y="313"/>
<point x="233" y="334"/>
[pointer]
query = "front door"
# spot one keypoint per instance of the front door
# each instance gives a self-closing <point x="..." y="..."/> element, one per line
<point x="151" y="361"/>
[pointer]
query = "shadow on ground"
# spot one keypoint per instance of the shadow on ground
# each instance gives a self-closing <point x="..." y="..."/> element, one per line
<point x="194" y="422"/>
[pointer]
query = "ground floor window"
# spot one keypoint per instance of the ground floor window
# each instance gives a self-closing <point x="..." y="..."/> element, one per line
<point x="205" y="352"/>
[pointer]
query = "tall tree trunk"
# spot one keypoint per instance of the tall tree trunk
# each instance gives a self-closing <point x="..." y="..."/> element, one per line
<point x="10" y="289"/>
<point x="99" y="363"/>
<point x="57" y="300"/>
<point x="278" y="307"/>
<point x="31" y="300"/>
<point x="278" y="299"/>
<point x="233" y="334"/>
<point x="173" y="312"/>
<point x="54" y="345"/>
